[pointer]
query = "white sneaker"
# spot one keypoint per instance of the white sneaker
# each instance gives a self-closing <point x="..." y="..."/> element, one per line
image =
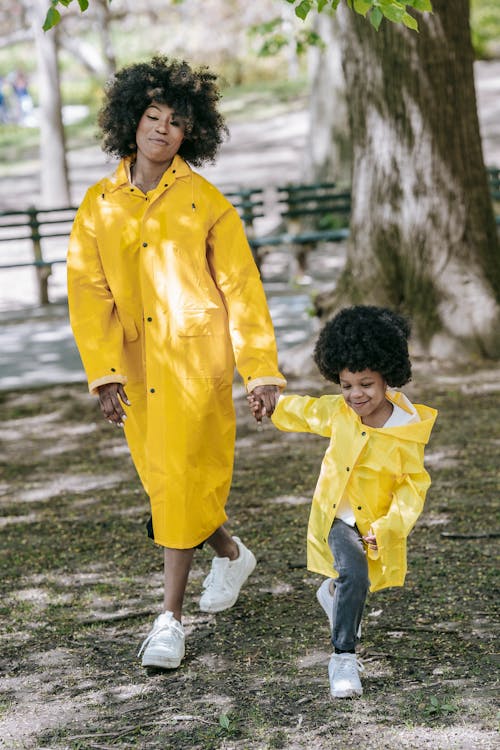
<point x="343" y="671"/>
<point x="222" y="585"/>
<point x="164" y="645"/>
<point x="325" y="598"/>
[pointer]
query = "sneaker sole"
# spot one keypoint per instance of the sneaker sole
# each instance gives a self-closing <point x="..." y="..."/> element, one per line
<point x="346" y="693"/>
<point x="214" y="608"/>
<point x="162" y="662"/>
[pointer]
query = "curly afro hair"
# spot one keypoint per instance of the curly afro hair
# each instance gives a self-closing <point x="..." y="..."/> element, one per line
<point x="193" y="94"/>
<point x="365" y="338"/>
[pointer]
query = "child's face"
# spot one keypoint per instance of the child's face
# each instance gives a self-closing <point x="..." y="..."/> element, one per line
<point x="364" y="392"/>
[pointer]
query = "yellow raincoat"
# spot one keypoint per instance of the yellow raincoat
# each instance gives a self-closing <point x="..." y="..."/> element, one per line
<point x="380" y="470"/>
<point x="164" y="296"/>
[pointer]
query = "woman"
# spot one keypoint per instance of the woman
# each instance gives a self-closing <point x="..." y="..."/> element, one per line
<point x="164" y="300"/>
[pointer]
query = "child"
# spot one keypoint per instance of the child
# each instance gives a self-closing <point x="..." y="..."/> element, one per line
<point x="372" y="482"/>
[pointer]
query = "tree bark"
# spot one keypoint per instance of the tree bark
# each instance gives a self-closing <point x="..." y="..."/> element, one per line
<point x="423" y="238"/>
<point x="328" y="151"/>
<point x="53" y="167"/>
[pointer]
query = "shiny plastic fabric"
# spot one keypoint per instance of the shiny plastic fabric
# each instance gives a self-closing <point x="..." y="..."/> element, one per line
<point x="380" y="470"/>
<point x="165" y="297"/>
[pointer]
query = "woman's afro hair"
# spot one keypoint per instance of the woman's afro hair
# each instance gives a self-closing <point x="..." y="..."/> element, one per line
<point x="365" y="338"/>
<point x="192" y="93"/>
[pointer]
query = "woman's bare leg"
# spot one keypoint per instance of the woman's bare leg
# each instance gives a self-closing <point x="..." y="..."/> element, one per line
<point x="177" y="566"/>
<point x="223" y="544"/>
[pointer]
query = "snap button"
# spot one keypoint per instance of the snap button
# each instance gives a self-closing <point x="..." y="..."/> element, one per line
<point x="359" y="507"/>
<point x="149" y="320"/>
<point x="363" y="433"/>
<point x="113" y="369"/>
<point x="144" y="244"/>
<point x="347" y="468"/>
<point x="151" y="390"/>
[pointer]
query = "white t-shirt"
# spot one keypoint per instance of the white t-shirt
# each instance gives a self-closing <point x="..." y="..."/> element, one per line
<point x="398" y="417"/>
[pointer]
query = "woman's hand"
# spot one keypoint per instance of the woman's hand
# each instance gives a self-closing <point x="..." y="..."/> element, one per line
<point x="111" y="397"/>
<point x="371" y="541"/>
<point x="262" y="400"/>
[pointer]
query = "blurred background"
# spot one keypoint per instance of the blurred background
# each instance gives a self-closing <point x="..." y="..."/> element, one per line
<point x="284" y="100"/>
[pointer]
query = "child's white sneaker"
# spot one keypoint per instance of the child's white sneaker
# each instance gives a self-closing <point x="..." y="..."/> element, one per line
<point x="164" y="645"/>
<point x="222" y="585"/>
<point x="325" y="598"/>
<point x="343" y="671"/>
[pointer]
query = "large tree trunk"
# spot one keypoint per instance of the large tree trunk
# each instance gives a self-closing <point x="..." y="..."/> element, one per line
<point x="53" y="168"/>
<point x="423" y="238"/>
<point x="328" y="151"/>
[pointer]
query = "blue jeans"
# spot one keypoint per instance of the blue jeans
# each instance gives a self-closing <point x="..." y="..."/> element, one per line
<point x="351" y="586"/>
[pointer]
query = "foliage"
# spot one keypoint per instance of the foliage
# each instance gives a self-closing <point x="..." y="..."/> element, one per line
<point x="485" y="27"/>
<point x="375" y="10"/>
<point x="275" y="38"/>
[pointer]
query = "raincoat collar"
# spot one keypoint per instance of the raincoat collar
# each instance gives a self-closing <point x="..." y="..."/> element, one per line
<point x="418" y="432"/>
<point x="121" y="176"/>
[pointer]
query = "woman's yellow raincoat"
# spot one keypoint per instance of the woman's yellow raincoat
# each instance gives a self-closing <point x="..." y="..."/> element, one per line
<point x="164" y="296"/>
<point x="380" y="470"/>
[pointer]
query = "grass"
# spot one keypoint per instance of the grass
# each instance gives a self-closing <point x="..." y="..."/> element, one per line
<point x="81" y="583"/>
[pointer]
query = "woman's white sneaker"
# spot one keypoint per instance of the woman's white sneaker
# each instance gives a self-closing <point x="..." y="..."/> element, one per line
<point x="222" y="585"/>
<point x="164" y="646"/>
<point x="343" y="671"/>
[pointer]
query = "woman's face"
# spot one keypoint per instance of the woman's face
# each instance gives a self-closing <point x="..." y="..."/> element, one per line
<point x="159" y="134"/>
<point x="364" y="392"/>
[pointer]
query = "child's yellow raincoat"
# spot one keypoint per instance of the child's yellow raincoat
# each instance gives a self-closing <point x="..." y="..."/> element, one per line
<point x="380" y="470"/>
<point x="164" y="296"/>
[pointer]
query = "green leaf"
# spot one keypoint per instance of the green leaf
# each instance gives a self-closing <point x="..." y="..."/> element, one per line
<point x="362" y="6"/>
<point x="410" y="22"/>
<point x="51" y="19"/>
<point x="224" y="721"/>
<point x="303" y="9"/>
<point x="321" y="5"/>
<point x="394" y="13"/>
<point x="84" y="4"/>
<point x="375" y="18"/>
<point x="421" y="5"/>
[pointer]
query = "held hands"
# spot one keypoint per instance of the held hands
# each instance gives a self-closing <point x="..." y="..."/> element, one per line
<point x="111" y="397"/>
<point x="262" y="401"/>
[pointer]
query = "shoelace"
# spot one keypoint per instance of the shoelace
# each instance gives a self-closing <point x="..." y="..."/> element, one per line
<point x="348" y="667"/>
<point x="157" y="628"/>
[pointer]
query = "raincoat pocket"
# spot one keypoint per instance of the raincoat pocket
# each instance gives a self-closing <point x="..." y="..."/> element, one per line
<point x="205" y="349"/>
<point x="129" y="327"/>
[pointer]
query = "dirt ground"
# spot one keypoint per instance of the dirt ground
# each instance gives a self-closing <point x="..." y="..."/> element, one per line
<point x="80" y="584"/>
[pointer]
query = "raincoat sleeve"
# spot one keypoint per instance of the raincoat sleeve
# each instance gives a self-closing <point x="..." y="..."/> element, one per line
<point x="238" y="280"/>
<point x="406" y="505"/>
<point x="305" y="414"/>
<point x="94" y="320"/>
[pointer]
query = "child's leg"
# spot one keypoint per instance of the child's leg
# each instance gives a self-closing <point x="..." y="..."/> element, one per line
<point x="351" y="586"/>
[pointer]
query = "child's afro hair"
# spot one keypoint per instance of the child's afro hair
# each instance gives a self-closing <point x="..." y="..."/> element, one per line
<point x="192" y="93"/>
<point x="365" y="338"/>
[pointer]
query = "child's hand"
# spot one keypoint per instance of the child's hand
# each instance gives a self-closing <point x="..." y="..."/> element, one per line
<point x="262" y="401"/>
<point x="371" y="541"/>
<point x="255" y="407"/>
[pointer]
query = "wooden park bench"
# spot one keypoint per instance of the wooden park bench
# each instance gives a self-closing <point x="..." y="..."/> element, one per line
<point x="310" y="214"/>
<point x="34" y="227"/>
